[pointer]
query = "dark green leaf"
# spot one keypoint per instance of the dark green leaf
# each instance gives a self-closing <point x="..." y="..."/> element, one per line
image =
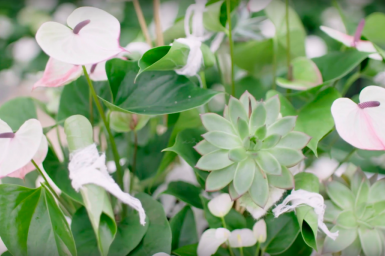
<point x="158" y="237"/>
<point x="298" y="248"/>
<point x="130" y="233"/>
<point x="185" y="192"/>
<point x="31" y="223"/>
<point x="188" y="250"/>
<point x="373" y="30"/>
<point x="183" y="227"/>
<point x="153" y="93"/>
<point x="281" y="233"/>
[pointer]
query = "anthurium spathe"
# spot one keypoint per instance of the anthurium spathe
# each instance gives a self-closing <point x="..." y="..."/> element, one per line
<point x="18" y="149"/>
<point x="250" y="148"/>
<point x="92" y="36"/>
<point x="354" y="41"/>
<point x="220" y="205"/>
<point x="362" y="125"/>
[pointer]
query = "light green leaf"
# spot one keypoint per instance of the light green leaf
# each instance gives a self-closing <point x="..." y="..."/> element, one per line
<point x="287" y="108"/>
<point x="153" y="93"/>
<point x="243" y="128"/>
<point x="340" y="195"/>
<point x="332" y="211"/>
<point x="347" y="219"/>
<point x="214" y="122"/>
<point x="272" y="106"/>
<point x="376" y="191"/>
<point x="31" y="223"/>
<point x="236" y="111"/>
<point x="237" y="155"/>
<point x="318" y="127"/>
<point x="257" y="118"/>
<point x="259" y="190"/>
<point x="372" y="30"/>
<point x="183" y="228"/>
<point x="287" y="156"/>
<point x="268" y="163"/>
<point x="185" y="192"/>
<point x="158" y="237"/>
<point x="211" y="16"/>
<point x="345" y="238"/>
<point x="353" y="249"/>
<point x="203" y="148"/>
<point x="271" y="141"/>
<point x="214" y="161"/>
<point x="244" y="176"/>
<point x="294" y="140"/>
<point x="220" y="178"/>
<point x="284" y="181"/>
<point x="371" y="241"/>
<point x="282" y="126"/>
<point x="222" y="140"/>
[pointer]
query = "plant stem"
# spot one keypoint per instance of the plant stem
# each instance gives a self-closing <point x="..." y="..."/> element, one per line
<point x="133" y="167"/>
<point x="338" y="7"/>
<point x="158" y="24"/>
<point x="349" y="82"/>
<point x="60" y="200"/>
<point x="241" y="251"/>
<point x="228" y="244"/>
<point x="231" y="43"/>
<point x="114" y="148"/>
<point x="257" y="249"/>
<point x="289" y="69"/>
<point x="91" y="107"/>
<point x="142" y="22"/>
<point x="275" y="52"/>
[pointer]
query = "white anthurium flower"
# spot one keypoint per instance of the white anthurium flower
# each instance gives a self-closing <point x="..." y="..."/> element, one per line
<point x="354" y="41"/>
<point x="259" y="231"/>
<point x="242" y="238"/>
<point x="324" y="167"/>
<point x="211" y="239"/>
<point x="161" y="254"/>
<point x="92" y="36"/>
<point x="220" y="205"/>
<point x="18" y="149"/>
<point x="3" y="248"/>
<point x="315" y="47"/>
<point x="257" y="212"/>
<point x="361" y="125"/>
<point x="258" y="5"/>
<point x="58" y="73"/>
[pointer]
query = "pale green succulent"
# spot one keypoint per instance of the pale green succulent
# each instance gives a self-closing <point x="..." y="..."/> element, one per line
<point x="250" y="148"/>
<point x="358" y="213"/>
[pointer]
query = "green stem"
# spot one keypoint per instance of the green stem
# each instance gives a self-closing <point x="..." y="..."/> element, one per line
<point x="133" y="167"/>
<point x="275" y="52"/>
<point x="91" y="107"/>
<point x="338" y="7"/>
<point x="119" y="174"/>
<point x="289" y="70"/>
<point x="228" y="244"/>
<point x="231" y="43"/>
<point x="142" y="22"/>
<point x="349" y="82"/>
<point x="49" y="188"/>
<point x="241" y="251"/>
<point x="257" y="249"/>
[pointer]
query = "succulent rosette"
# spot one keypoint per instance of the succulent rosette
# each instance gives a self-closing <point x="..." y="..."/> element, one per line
<point x="250" y="148"/>
<point x="357" y="211"/>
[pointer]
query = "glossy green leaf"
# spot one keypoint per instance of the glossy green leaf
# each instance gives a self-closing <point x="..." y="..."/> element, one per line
<point x="130" y="233"/>
<point x="211" y="17"/>
<point x="16" y="111"/>
<point x="74" y="99"/>
<point x="185" y="192"/>
<point x="298" y="248"/>
<point x="183" y="228"/>
<point x="336" y="65"/>
<point x="372" y="30"/>
<point x="188" y="250"/>
<point x="31" y="223"/>
<point x="164" y="58"/>
<point x="305" y="75"/>
<point x="318" y="127"/>
<point x="158" y="237"/>
<point x="281" y="233"/>
<point x="153" y="93"/>
<point x="234" y="220"/>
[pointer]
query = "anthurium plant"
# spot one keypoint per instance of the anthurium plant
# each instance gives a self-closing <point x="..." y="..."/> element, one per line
<point x="193" y="128"/>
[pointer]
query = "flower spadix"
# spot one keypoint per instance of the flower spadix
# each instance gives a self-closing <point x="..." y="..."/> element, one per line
<point x="250" y="148"/>
<point x="18" y="149"/>
<point x="354" y="41"/>
<point x="92" y="36"/>
<point x="362" y="125"/>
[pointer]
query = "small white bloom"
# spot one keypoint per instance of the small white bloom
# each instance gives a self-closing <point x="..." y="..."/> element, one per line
<point x="211" y="240"/>
<point x="259" y="230"/>
<point x="242" y="238"/>
<point x="220" y="205"/>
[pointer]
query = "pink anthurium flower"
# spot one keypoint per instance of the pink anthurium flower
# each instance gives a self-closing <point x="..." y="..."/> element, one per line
<point x="92" y="36"/>
<point x="353" y="41"/>
<point x="58" y="73"/>
<point x="362" y="125"/>
<point x="18" y="149"/>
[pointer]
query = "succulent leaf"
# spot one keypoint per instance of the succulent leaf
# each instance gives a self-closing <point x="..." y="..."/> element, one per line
<point x="347" y="219"/>
<point x="268" y="163"/>
<point x="259" y="191"/>
<point x="345" y="238"/>
<point x="220" y="178"/>
<point x="294" y="140"/>
<point x="222" y="140"/>
<point x="371" y="241"/>
<point x="282" y="126"/>
<point x="214" y="122"/>
<point x="340" y="195"/>
<point x="237" y="155"/>
<point x="243" y="128"/>
<point x="284" y="181"/>
<point x="236" y="110"/>
<point x="273" y="107"/>
<point x="214" y="161"/>
<point x="287" y="156"/>
<point x="257" y="118"/>
<point x="271" y="141"/>
<point x="244" y="176"/>
<point x="204" y="147"/>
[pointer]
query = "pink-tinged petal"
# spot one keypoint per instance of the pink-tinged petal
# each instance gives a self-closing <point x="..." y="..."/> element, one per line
<point x="258" y="5"/>
<point x="356" y="126"/>
<point x="22" y="148"/>
<point x="4" y="142"/>
<point x="97" y="72"/>
<point x="95" y="42"/>
<point x="58" y="73"/>
<point x="38" y="158"/>
<point x="367" y="46"/>
<point x="210" y="241"/>
<point x="339" y="36"/>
